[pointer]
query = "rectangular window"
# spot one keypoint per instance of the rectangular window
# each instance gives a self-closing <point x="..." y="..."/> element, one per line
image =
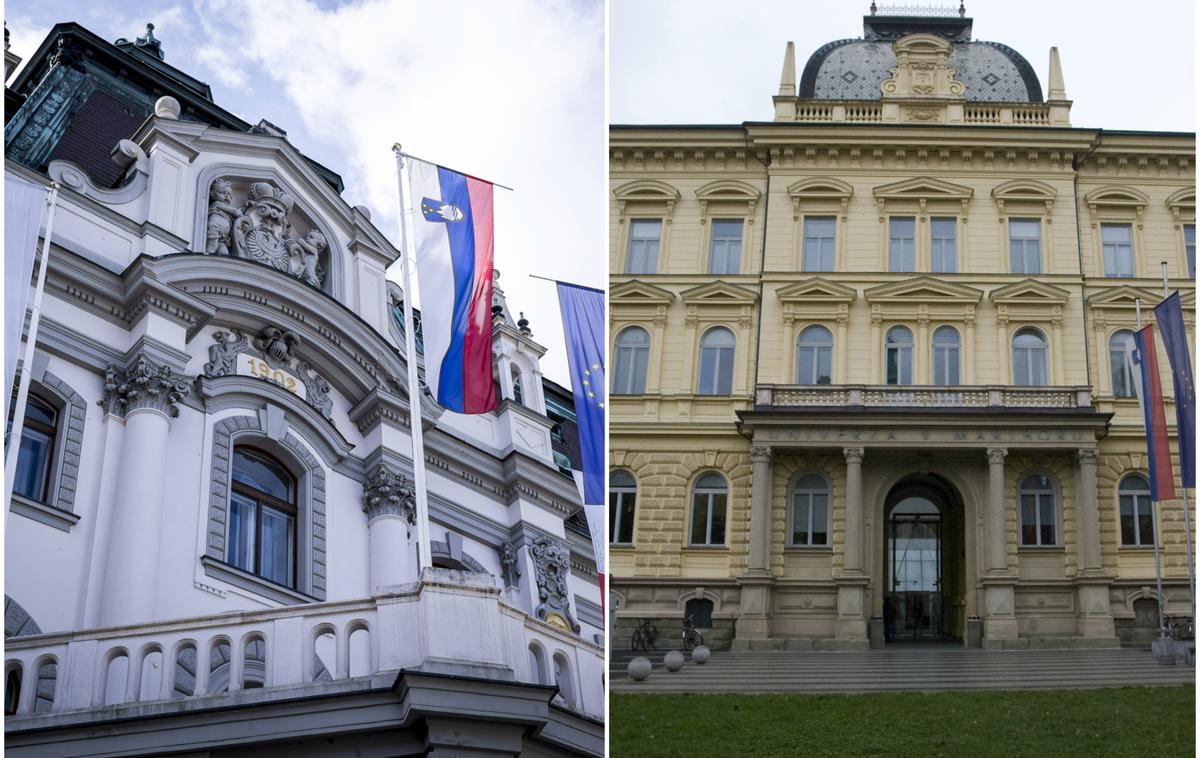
<point x="943" y="245"/>
<point x="1189" y="245"/>
<point x="820" y="237"/>
<point x="644" y="236"/>
<point x="1117" y="240"/>
<point x="902" y="244"/>
<point x="1025" y="245"/>
<point x="725" y="250"/>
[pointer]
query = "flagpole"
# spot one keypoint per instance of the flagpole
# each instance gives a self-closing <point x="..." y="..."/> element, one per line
<point x="402" y="155"/>
<point x="14" y="437"/>
<point x="1162" y="625"/>
<point x="1187" y="511"/>
<point x="424" y="558"/>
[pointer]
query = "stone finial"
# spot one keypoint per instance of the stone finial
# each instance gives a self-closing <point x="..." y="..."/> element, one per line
<point x="523" y="325"/>
<point x="386" y="493"/>
<point x="787" y="80"/>
<point x="167" y="107"/>
<point x="1058" y="90"/>
<point x="364" y="210"/>
<point x="144" y="385"/>
<point x="6" y="45"/>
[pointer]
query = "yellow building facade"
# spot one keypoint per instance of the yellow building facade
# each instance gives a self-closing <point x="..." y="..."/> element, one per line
<point x="864" y="386"/>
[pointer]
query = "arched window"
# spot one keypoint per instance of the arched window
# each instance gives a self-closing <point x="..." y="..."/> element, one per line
<point x="1122" y="379"/>
<point x="262" y="517"/>
<point x="1038" y="510"/>
<point x="710" y="497"/>
<point x="12" y="690"/>
<point x="1137" y="512"/>
<point x="946" y="354"/>
<point x="35" y="460"/>
<point x="622" y="495"/>
<point x="518" y="394"/>
<point x="1029" y="359"/>
<point x="633" y="357"/>
<point x="898" y="355"/>
<point x="810" y="511"/>
<point x="716" y="362"/>
<point x="814" y="356"/>
<point x="537" y="663"/>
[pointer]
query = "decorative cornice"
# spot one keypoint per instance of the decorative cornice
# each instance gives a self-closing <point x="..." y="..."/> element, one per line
<point x="143" y="385"/>
<point x="386" y="493"/>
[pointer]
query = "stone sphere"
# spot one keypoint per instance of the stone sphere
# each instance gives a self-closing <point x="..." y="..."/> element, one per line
<point x="167" y="107"/>
<point x="701" y="654"/>
<point x="639" y="668"/>
<point x="673" y="660"/>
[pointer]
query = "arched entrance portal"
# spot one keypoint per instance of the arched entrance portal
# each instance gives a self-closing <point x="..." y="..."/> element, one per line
<point x="924" y="580"/>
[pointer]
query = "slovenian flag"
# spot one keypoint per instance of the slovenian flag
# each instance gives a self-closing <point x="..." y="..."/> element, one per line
<point x="1143" y="363"/>
<point x="455" y="244"/>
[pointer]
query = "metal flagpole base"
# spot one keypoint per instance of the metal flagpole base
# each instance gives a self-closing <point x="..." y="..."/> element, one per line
<point x="1163" y="649"/>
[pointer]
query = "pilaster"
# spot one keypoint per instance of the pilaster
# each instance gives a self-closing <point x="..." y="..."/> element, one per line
<point x="760" y="511"/>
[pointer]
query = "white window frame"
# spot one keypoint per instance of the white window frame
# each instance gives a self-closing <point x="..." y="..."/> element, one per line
<point x="816" y="350"/>
<point x="621" y="491"/>
<point x="821" y="243"/>
<point x="950" y="355"/>
<point x="625" y="361"/>
<point x="939" y="244"/>
<point x="1027" y="381"/>
<point x="1117" y="362"/>
<point x="1140" y="540"/>
<point x="903" y="242"/>
<point x="1038" y="493"/>
<point x="634" y="239"/>
<point x="726" y="243"/>
<point x="1024" y="268"/>
<point x="709" y="493"/>
<point x="900" y="348"/>
<point x="722" y="355"/>
<point x="794" y="491"/>
<point x="1117" y="256"/>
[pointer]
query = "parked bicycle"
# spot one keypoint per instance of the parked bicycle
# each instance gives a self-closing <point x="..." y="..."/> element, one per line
<point x="692" y="638"/>
<point x="644" y="636"/>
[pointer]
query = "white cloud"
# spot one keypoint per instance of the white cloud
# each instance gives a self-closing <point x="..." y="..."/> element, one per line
<point x="512" y="92"/>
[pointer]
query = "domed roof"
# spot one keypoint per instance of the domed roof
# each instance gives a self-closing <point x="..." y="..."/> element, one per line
<point x="855" y="69"/>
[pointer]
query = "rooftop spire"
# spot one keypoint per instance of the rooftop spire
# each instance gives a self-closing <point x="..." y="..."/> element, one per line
<point x="787" y="79"/>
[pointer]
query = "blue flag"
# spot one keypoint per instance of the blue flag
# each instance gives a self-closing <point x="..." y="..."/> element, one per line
<point x="583" y="326"/>
<point x="1170" y="325"/>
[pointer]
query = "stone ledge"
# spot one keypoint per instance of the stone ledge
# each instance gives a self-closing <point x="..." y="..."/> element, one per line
<point x="42" y="513"/>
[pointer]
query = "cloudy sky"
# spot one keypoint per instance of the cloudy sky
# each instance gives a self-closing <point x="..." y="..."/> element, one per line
<point x="1127" y="65"/>
<point x="512" y="92"/>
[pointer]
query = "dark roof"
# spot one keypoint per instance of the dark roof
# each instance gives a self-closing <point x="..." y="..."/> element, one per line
<point x="855" y="69"/>
<point x="109" y="94"/>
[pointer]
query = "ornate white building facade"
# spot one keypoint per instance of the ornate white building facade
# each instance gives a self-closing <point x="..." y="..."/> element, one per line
<point x="211" y="547"/>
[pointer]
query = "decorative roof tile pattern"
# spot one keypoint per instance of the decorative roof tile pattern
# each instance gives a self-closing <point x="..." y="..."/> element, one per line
<point x="855" y="69"/>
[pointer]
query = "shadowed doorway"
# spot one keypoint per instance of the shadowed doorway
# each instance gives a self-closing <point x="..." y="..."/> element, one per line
<point x="923" y="543"/>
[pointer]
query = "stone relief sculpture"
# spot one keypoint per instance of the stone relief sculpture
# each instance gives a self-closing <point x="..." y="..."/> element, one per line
<point x="509" y="571"/>
<point x="221" y="215"/>
<point x="386" y="493"/>
<point x="276" y="347"/>
<point x="552" y="563"/>
<point x="144" y="384"/>
<point x="222" y="356"/>
<point x="277" y="343"/>
<point x="260" y="230"/>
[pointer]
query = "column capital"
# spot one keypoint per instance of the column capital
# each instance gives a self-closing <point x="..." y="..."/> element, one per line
<point x="760" y="453"/>
<point x="1088" y="456"/>
<point x="997" y="454"/>
<point x="386" y="493"/>
<point x="144" y="384"/>
<point x="853" y="454"/>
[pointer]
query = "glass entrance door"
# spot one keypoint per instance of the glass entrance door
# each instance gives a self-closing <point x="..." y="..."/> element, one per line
<point x="913" y="606"/>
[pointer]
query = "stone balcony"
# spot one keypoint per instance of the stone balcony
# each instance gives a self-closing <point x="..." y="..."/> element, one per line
<point x="933" y="112"/>
<point x="909" y="396"/>
<point x="452" y="629"/>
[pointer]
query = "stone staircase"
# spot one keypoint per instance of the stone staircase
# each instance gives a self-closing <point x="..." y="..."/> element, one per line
<point x="917" y="667"/>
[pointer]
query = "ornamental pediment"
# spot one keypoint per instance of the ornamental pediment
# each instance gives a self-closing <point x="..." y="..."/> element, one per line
<point x="1029" y="292"/>
<point x="728" y="189"/>
<point x="923" y="289"/>
<point x="922" y="69"/>
<point x="646" y="189"/>
<point x="1122" y="298"/>
<point x="816" y="290"/>
<point x="923" y="188"/>
<point x="718" y="293"/>
<point x="1117" y="196"/>
<point x="1182" y="204"/>
<point x="639" y="293"/>
<point x="820" y="188"/>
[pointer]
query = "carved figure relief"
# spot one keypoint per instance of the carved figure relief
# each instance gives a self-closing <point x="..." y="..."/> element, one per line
<point x="275" y="347"/>
<point x="552" y="564"/>
<point x="509" y="571"/>
<point x="261" y="230"/>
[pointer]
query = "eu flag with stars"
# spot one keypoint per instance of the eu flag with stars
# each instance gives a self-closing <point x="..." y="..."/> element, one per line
<point x="1170" y="325"/>
<point x="583" y="326"/>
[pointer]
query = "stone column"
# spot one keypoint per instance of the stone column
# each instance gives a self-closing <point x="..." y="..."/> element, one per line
<point x="1088" y="513"/>
<point x="760" y="511"/>
<point x="852" y="562"/>
<point x="391" y="536"/>
<point x="147" y="395"/>
<point x="997" y="531"/>
<point x="999" y="623"/>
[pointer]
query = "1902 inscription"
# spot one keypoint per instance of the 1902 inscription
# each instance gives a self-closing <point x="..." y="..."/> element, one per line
<point x="248" y="365"/>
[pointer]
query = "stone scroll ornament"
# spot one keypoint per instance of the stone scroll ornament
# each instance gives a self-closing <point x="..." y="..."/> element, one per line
<point x="276" y="347"/>
<point x="552" y="563"/>
<point x="259" y="230"/>
<point x="386" y="493"/>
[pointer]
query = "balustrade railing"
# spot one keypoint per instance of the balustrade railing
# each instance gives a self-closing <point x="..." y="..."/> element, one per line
<point x="292" y="647"/>
<point x="880" y="112"/>
<point x="907" y="396"/>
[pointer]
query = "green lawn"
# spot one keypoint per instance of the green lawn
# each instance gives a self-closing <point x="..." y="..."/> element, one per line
<point x="1075" y="723"/>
